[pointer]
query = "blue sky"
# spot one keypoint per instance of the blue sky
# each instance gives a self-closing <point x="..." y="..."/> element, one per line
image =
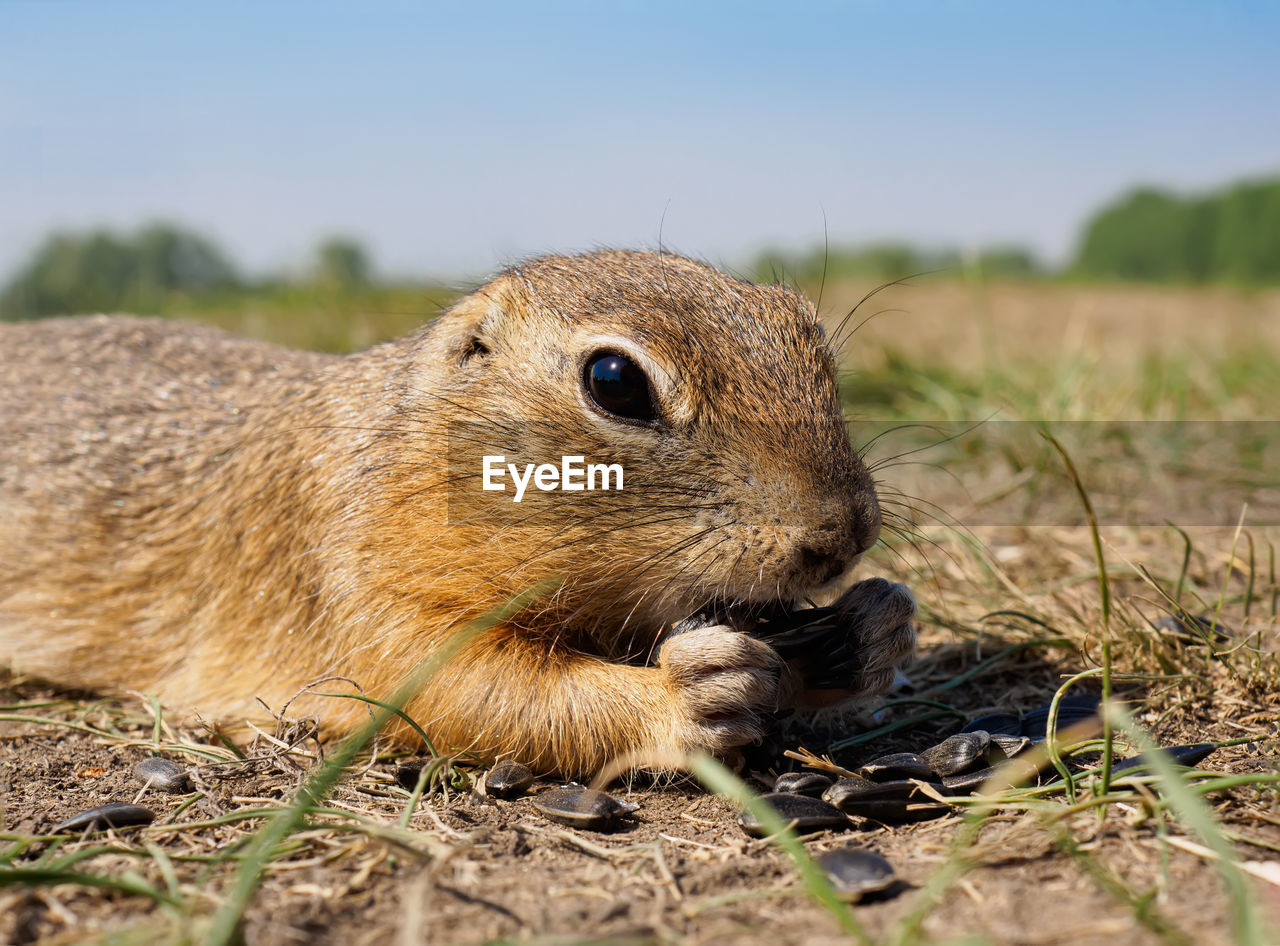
<point x="454" y="138"/>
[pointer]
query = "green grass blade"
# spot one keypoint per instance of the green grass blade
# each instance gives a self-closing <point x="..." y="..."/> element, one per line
<point x="393" y="710"/>
<point x="1246" y="917"/>
<point x="1104" y="591"/>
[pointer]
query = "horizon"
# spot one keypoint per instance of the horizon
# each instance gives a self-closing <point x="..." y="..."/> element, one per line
<point x="450" y="142"/>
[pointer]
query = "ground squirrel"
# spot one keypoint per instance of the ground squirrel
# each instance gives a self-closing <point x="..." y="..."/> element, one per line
<point x="215" y="520"/>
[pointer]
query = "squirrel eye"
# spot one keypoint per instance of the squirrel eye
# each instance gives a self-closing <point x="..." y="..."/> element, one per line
<point x="618" y="386"/>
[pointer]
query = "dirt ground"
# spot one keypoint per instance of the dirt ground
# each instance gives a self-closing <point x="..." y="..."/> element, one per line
<point x="473" y="870"/>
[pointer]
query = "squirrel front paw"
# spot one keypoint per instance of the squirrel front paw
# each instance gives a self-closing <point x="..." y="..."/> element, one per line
<point x="881" y="614"/>
<point x="724" y="683"/>
<point x="853" y="647"/>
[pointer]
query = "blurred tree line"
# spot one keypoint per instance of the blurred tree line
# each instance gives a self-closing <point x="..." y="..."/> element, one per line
<point x="882" y="262"/>
<point x="1148" y="235"/>
<point x="151" y="269"/>
<point x="1155" y="236"/>
<point x="1231" y="236"/>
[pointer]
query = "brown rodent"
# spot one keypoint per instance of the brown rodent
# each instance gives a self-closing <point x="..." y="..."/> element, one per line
<point x="214" y="520"/>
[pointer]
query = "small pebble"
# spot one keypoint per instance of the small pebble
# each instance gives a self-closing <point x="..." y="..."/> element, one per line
<point x="164" y="775"/>
<point x="580" y="807"/>
<point x="507" y="779"/>
<point x="855" y="872"/>
<point x="804" y="814"/>
<point x="897" y="766"/>
<point x="802" y="783"/>
<point x="113" y="815"/>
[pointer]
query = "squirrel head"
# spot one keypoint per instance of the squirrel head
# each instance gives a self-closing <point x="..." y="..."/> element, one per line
<point x="717" y="398"/>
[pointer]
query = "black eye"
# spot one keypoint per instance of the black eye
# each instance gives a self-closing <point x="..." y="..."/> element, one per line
<point x="618" y="386"/>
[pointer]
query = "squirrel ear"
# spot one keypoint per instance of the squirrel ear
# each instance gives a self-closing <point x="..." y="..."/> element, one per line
<point x="470" y="329"/>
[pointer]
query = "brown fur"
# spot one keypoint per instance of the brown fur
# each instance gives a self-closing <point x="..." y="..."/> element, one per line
<point x="213" y="520"/>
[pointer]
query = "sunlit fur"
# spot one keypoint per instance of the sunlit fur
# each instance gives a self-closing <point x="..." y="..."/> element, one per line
<point x="215" y="520"/>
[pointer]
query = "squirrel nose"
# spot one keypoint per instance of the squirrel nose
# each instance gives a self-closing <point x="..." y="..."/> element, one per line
<point x="850" y="527"/>
<point x="864" y="520"/>
<point x="867" y="530"/>
<point x="822" y="564"/>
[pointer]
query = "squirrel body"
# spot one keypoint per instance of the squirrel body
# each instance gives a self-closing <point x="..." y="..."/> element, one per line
<point x="218" y="521"/>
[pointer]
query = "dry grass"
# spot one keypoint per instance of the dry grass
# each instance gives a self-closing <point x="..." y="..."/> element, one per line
<point x="1013" y="606"/>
